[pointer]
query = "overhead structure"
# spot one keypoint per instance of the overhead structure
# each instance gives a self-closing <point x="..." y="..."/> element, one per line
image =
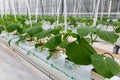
<point x="50" y="7"/>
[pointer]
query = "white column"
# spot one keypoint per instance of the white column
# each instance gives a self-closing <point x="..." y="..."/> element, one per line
<point x="65" y="15"/>
<point x="94" y="2"/>
<point x="109" y="9"/>
<point x="96" y="13"/>
<point x="13" y="9"/>
<point x="2" y="11"/>
<point x="29" y="13"/>
<point x="102" y="7"/>
<point x="52" y="9"/>
<point x="58" y="9"/>
<point x="91" y="7"/>
<point x="36" y="10"/>
<point x="19" y="7"/>
<point x="118" y="9"/>
<point x="74" y="6"/>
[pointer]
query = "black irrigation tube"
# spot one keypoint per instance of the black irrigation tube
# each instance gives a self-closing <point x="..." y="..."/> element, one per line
<point x="30" y="61"/>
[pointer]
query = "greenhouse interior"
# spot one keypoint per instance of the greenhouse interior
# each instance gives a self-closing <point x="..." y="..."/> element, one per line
<point x="59" y="39"/>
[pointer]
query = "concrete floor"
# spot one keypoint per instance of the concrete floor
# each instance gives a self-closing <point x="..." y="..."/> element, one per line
<point x="13" y="67"/>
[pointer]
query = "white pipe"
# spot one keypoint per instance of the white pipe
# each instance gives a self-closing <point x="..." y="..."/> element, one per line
<point x="4" y="7"/>
<point x="84" y="13"/>
<point x="51" y="3"/>
<point x="96" y="13"/>
<point x="36" y="10"/>
<point x="29" y="12"/>
<point x="58" y="9"/>
<point x="13" y="9"/>
<point x="43" y="7"/>
<point x="79" y="7"/>
<point x="82" y="6"/>
<point x="102" y="7"/>
<point x="2" y="11"/>
<point x="91" y="7"/>
<point x="5" y="3"/>
<point x="19" y="7"/>
<point x="109" y="9"/>
<point x="118" y="9"/>
<point x="74" y="6"/>
<point x="94" y="2"/>
<point x="65" y="15"/>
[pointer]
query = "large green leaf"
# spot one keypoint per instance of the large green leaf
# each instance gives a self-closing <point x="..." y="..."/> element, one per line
<point x="35" y="29"/>
<point x="117" y="30"/>
<point x="22" y="20"/>
<point x="83" y="31"/>
<point x="43" y="34"/>
<point x="12" y="27"/>
<point x="20" y="30"/>
<point x="53" y="42"/>
<point x="57" y="30"/>
<point x="105" y="66"/>
<point x="108" y="36"/>
<point x="80" y="52"/>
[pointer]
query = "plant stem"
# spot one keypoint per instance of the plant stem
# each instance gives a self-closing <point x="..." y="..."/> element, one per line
<point x="95" y="38"/>
<point x="91" y="36"/>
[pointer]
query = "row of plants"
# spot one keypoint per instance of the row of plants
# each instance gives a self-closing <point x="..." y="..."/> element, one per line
<point x="76" y="45"/>
<point x="71" y="20"/>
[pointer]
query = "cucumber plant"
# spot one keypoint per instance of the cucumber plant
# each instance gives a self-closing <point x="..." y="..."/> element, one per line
<point x="80" y="50"/>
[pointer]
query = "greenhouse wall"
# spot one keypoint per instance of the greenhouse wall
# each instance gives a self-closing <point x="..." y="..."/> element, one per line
<point x="50" y="7"/>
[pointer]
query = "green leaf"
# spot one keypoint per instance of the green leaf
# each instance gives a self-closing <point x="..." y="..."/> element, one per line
<point x="37" y="45"/>
<point x="1" y="28"/>
<point x="105" y="66"/>
<point x="83" y="31"/>
<point x="101" y="22"/>
<point x="50" y="55"/>
<point x="9" y="41"/>
<point x="12" y="27"/>
<point x="53" y="42"/>
<point x="57" y="30"/>
<point x="108" y="36"/>
<point x="88" y="40"/>
<point x="20" y="30"/>
<point x="22" y="20"/>
<point x="114" y="23"/>
<point x="35" y="29"/>
<point x="117" y="30"/>
<point x="43" y="34"/>
<point x="21" y="39"/>
<point x="80" y="52"/>
<point x="64" y="44"/>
